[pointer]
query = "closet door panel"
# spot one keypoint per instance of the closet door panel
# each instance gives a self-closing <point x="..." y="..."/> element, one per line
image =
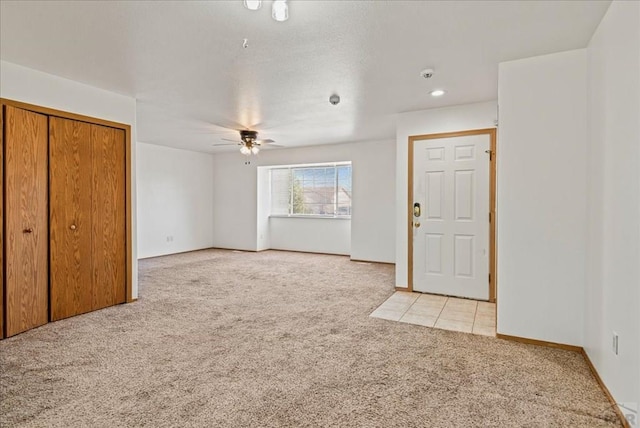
<point x="25" y="215"/>
<point x="70" y="217"/>
<point x="108" y="243"/>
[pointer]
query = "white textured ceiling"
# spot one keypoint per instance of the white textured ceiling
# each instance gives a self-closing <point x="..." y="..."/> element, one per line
<point x="185" y="63"/>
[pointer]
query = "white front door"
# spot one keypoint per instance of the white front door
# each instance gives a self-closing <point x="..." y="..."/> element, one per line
<point x="451" y="227"/>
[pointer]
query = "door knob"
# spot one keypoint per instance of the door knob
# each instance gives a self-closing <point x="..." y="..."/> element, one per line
<point x="28" y="230"/>
<point x="72" y="227"/>
<point x="416" y="224"/>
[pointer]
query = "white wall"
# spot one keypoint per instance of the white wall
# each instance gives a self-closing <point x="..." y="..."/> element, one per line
<point x="34" y="87"/>
<point x="448" y="119"/>
<point x="235" y="196"/>
<point x="318" y="235"/>
<point x="372" y="222"/>
<point x="542" y="197"/>
<point x="613" y="246"/>
<point x="175" y="200"/>
<point x="263" y="208"/>
<point x="239" y="220"/>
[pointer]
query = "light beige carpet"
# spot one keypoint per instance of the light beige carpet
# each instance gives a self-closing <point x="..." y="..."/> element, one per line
<point x="227" y="339"/>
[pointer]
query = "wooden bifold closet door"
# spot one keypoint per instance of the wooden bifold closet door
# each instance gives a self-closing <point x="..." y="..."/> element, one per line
<point x="25" y="219"/>
<point x="70" y="217"/>
<point x="87" y="217"/>
<point x="108" y="241"/>
<point x="64" y="215"/>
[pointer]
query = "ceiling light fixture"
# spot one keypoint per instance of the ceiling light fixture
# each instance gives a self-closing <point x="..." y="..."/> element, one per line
<point x="280" y="10"/>
<point x="249" y="143"/>
<point x="249" y="148"/>
<point x="437" y="93"/>
<point x="253" y="4"/>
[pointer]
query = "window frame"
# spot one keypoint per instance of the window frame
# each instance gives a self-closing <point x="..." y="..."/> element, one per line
<point x="336" y="188"/>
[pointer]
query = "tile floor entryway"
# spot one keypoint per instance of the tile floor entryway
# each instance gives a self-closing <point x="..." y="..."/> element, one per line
<point x="447" y="313"/>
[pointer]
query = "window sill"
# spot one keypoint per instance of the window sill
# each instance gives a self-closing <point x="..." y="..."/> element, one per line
<point x="318" y="217"/>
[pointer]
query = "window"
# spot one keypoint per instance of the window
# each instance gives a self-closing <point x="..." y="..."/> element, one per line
<point x="322" y="190"/>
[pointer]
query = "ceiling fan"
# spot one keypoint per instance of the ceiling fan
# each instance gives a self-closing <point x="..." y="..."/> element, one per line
<point x="249" y="143"/>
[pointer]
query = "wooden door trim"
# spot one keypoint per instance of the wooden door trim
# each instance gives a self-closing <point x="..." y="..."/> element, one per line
<point x="127" y="130"/>
<point x="2" y="231"/>
<point x="492" y="202"/>
<point x="63" y="114"/>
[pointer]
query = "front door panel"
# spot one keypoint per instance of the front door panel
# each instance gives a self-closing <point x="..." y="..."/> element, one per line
<point x="451" y="232"/>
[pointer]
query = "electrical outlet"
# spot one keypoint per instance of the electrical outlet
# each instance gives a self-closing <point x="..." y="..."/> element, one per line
<point x="614" y="343"/>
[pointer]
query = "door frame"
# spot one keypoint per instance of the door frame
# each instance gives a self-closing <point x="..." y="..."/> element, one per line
<point x="128" y="219"/>
<point x="492" y="202"/>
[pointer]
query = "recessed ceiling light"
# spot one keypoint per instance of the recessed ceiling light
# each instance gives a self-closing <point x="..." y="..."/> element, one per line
<point x="437" y="93"/>
<point x="280" y="10"/>
<point x="253" y="4"/>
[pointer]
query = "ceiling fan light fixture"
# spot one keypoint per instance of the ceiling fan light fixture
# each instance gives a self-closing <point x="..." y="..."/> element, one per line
<point x="255" y="150"/>
<point x="280" y="10"/>
<point x="253" y="4"/>
<point x="245" y="150"/>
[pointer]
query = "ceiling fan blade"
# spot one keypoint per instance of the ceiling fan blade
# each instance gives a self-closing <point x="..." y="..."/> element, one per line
<point x="224" y="144"/>
<point x="270" y="146"/>
<point x="265" y="141"/>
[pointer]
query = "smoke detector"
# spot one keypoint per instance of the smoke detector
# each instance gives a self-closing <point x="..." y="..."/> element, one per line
<point x="427" y="73"/>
